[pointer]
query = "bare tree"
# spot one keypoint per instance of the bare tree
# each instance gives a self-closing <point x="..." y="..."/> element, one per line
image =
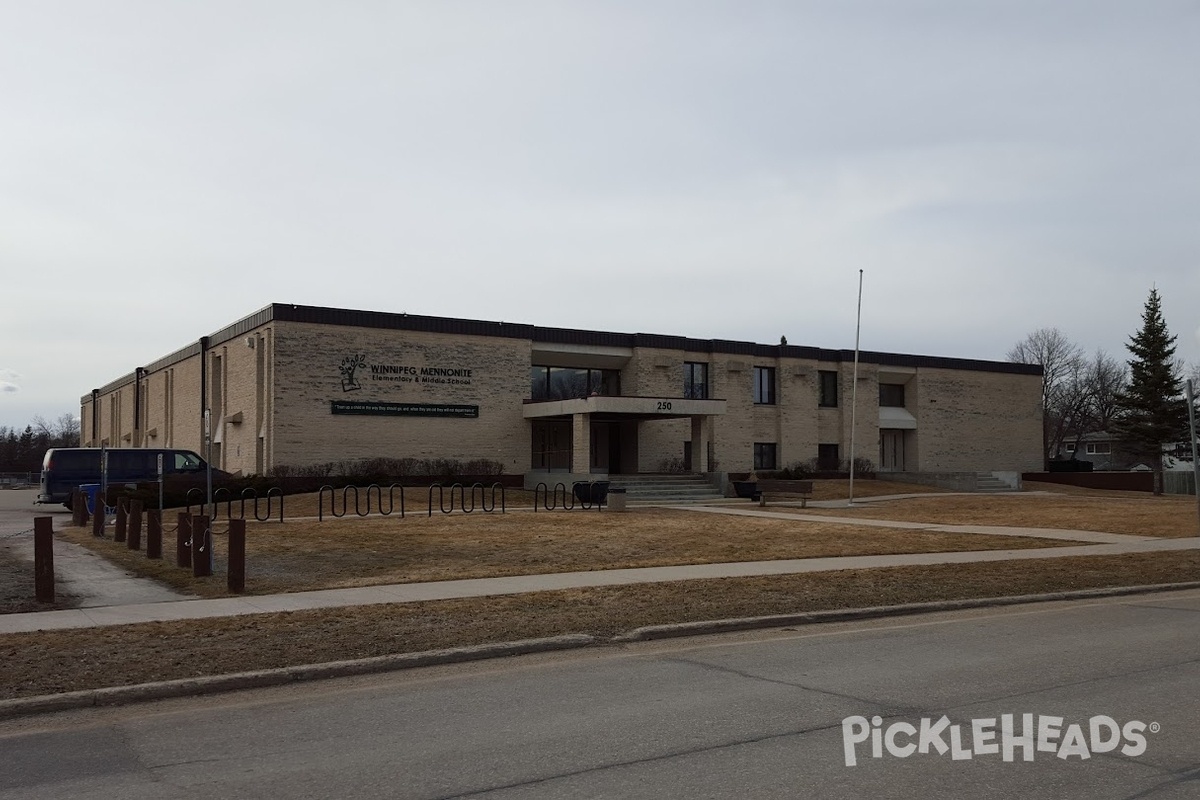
<point x="66" y="431"/>
<point x="41" y="427"/>
<point x="1062" y="364"/>
<point x="1107" y="376"/>
<point x="1191" y="372"/>
<point x="62" y="432"/>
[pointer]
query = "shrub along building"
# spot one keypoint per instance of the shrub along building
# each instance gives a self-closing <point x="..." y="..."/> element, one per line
<point x="299" y="385"/>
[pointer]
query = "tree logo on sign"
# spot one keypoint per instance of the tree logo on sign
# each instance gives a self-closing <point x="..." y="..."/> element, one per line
<point x="349" y="368"/>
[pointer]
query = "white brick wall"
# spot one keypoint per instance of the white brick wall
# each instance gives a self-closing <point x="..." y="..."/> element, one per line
<point x="281" y="388"/>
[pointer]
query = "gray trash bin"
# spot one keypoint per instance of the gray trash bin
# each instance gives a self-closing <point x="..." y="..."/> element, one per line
<point x="616" y="499"/>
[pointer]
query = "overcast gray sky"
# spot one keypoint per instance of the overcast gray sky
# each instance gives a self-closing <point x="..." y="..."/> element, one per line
<point x="710" y="169"/>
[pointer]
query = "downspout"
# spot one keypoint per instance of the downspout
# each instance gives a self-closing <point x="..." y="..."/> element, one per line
<point x="203" y="384"/>
<point x="137" y="405"/>
<point x="95" y="440"/>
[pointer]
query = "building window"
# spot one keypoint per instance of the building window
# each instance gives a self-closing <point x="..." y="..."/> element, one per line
<point x="1099" y="448"/>
<point x="828" y="458"/>
<point x="764" y="455"/>
<point x="1069" y="447"/>
<point x="568" y="383"/>
<point x="764" y="386"/>
<point x="695" y="380"/>
<point x="891" y="395"/>
<point x="828" y="388"/>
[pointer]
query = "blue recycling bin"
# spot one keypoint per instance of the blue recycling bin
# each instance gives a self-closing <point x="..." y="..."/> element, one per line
<point x="91" y="491"/>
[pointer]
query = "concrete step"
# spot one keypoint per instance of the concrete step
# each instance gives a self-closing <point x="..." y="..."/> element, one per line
<point x="987" y="482"/>
<point x="658" y="489"/>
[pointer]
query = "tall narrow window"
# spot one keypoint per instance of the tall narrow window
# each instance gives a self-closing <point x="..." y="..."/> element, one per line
<point x="695" y="380"/>
<point x="828" y="397"/>
<point x="764" y="386"/>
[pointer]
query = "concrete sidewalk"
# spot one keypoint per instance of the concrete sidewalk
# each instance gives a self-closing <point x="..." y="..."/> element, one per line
<point x="482" y="587"/>
<point x="1095" y="537"/>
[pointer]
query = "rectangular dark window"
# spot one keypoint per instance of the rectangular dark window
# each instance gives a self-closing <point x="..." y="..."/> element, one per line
<point x="695" y="380"/>
<point x="764" y="386"/>
<point x="539" y="383"/>
<point x="568" y="383"/>
<point x="828" y="397"/>
<point x="828" y="457"/>
<point x="764" y="455"/>
<point x="891" y="395"/>
<point x="605" y="382"/>
<point x="1099" y="449"/>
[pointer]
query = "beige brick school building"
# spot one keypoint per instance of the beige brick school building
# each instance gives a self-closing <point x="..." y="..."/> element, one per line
<point x="297" y="385"/>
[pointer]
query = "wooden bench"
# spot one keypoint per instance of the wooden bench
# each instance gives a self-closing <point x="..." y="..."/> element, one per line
<point x="785" y="487"/>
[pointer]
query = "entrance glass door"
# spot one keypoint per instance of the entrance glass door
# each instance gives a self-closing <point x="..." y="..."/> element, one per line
<point x="891" y="451"/>
<point x="551" y="445"/>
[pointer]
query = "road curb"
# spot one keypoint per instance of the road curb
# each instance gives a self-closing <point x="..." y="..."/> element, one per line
<point x="257" y="679"/>
<point x="651" y="632"/>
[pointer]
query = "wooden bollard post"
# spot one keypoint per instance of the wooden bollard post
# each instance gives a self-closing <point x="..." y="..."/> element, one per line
<point x="135" y="525"/>
<point x="154" y="533"/>
<point x="236" y="575"/>
<point x="98" y="520"/>
<point x="84" y="516"/>
<point x="43" y="559"/>
<point x="76" y="509"/>
<point x="122" y="520"/>
<point x="183" y="541"/>
<point x="201" y="546"/>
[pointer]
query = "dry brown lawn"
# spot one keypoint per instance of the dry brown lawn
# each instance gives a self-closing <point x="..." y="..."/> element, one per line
<point x="1140" y="515"/>
<point x="306" y="554"/>
<point x="866" y="487"/>
<point x="59" y="661"/>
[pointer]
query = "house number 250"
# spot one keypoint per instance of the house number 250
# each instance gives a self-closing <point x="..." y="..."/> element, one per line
<point x="664" y="405"/>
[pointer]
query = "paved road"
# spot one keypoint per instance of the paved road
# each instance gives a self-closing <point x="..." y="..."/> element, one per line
<point x="748" y="716"/>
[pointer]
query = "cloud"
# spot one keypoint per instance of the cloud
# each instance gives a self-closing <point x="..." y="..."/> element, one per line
<point x="7" y="378"/>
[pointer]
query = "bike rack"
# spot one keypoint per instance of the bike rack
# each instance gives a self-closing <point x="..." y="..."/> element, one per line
<point x="274" y="491"/>
<point x="550" y="498"/>
<point x="483" y="498"/>
<point x="391" y="499"/>
<point x="486" y="502"/>
<point x="228" y="504"/>
<point x="188" y="498"/>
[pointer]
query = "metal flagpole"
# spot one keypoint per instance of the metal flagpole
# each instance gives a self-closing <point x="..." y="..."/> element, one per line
<point x="1191" y="401"/>
<point x="854" y="385"/>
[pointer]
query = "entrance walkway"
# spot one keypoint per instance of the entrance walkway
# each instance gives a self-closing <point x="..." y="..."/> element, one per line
<point x="1095" y="537"/>
<point x="90" y="580"/>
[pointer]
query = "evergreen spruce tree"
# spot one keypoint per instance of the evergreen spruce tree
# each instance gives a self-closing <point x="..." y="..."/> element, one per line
<point x="1151" y="411"/>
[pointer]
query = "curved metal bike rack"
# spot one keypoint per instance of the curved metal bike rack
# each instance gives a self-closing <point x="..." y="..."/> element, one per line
<point x="333" y="512"/>
<point x="188" y="498"/>
<point x="391" y="506"/>
<point x="485" y="502"/>
<point x="550" y="499"/>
